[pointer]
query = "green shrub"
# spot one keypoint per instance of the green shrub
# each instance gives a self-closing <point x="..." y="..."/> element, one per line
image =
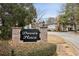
<point x="48" y="51"/>
<point x="39" y="49"/>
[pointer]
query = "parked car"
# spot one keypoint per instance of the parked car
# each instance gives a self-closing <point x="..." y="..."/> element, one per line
<point x="51" y="27"/>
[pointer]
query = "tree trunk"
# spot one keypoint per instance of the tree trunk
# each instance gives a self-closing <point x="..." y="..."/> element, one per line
<point x="75" y="28"/>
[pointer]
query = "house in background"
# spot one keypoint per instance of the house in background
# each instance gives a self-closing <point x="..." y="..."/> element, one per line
<point x="68" y="27"/>
<point x="37" y="24"/>
<point x="52" y="24"/>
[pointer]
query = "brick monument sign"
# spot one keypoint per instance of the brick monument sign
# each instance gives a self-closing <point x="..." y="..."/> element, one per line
<point x="29" y="33"/>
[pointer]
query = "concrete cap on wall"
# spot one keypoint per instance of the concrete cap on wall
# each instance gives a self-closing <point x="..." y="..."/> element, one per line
<point x="16" y="27"/>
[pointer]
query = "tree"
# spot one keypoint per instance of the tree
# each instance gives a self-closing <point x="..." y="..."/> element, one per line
<point x="15" y="14"/>
<point x="71" y="13"/>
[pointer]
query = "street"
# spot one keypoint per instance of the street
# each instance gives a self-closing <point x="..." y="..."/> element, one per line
<point x="69" y="37"/>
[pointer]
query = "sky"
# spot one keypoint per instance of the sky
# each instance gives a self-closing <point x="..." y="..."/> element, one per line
<point x="48" y="9"/>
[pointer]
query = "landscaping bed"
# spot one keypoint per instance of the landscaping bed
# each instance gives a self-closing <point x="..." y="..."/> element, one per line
<point x="5" y="48"/>
<point x="27" y="49"/>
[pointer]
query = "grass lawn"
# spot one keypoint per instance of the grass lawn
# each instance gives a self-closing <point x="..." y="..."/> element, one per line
<point x="27" y="49"/>
<point x="55" y="39"/>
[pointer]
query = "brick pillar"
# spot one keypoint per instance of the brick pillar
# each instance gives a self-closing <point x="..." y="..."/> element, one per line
<point x="43" y="33"/>
<point x="16" y="35"/>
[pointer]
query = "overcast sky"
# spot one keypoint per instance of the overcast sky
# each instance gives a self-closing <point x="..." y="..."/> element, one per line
<point x="48" y="9"/>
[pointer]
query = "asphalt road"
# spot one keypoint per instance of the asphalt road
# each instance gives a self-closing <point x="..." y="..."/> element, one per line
<point x="68" y="37"/>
